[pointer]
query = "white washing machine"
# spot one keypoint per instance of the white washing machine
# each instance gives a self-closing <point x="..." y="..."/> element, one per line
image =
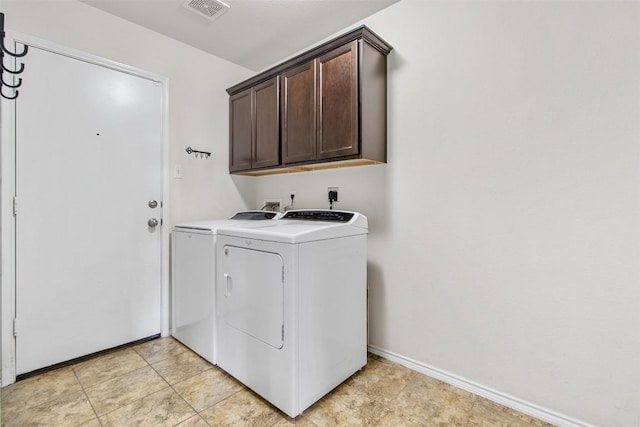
<point x="193" y="279"/>
<point x="292" y="310"/>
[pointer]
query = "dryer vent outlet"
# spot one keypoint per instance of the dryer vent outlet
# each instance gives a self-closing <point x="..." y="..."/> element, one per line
<point x="272" y="205"/>
<point x="210" y="9"/>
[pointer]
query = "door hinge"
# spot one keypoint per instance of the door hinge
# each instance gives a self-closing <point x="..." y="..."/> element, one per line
<point x="15" y="327"/>
<point x="15" y="205"/>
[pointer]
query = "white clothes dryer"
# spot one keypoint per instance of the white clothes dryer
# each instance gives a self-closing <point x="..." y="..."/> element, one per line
<point x="292" y="304"/>
<point x="193" y="279"/>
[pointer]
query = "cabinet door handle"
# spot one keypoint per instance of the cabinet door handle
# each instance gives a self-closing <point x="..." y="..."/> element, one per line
<point x="228" y="286"/>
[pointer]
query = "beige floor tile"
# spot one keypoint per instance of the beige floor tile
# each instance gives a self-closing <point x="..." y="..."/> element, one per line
<point x="381" y="380"/>
<point x="195" y="421"/>
<point x="124" y="390"/>
<point x="92" y="423"/>
<point x="491" y="414"/>
<point x="114" y="393"/>
<point x="432" y="402"/>
<point x="103" y="368"/>
<point x="71" y="409"/>
<point x="299" y="421"/>
<point x="207" y="388"/>
<point x="242" y="409"/>
<point x="162" y="408"/>
<point x="371" y="356"/>
<point x="156" y="350"/>
<point x="181" y="366"/>
<point x="346" y="405"/>
<point x="395" y="418"/>
<point x="37" y="390"/>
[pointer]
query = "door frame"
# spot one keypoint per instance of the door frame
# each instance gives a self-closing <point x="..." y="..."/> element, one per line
<point x="8" y="188"/>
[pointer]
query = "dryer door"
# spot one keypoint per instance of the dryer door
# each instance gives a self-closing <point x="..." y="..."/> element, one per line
<point x="252" y="290"/>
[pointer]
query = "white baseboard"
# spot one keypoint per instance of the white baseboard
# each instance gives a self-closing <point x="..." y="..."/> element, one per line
<point x="482" y="391"/>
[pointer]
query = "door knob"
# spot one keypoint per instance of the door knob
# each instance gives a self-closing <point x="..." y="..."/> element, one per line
<point x="152" y="204"/>
<point x="153" y="223"/>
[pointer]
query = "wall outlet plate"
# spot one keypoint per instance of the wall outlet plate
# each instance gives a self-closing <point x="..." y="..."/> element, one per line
<point x="333" y="189"/>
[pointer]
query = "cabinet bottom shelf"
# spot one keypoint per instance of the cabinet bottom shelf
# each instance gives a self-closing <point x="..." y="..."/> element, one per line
<point x="309" y="167"/>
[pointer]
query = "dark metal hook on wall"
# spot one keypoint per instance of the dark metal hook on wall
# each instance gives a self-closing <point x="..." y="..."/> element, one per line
<point x="197" y="153"/>
<point x="4" y="69"/>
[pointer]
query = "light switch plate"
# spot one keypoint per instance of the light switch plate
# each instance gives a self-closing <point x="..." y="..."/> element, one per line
<point x="177" y="171"/>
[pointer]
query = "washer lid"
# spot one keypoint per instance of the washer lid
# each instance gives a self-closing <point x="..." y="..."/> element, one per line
<point x="242" y="218"/>
<point x="304" y="226"/>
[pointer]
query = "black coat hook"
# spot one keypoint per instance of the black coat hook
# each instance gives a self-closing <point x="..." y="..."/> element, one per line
<point x="8" y="52"/>
<point x="9" y="84"/>
<point x="18" y="71"/>
<point x="15" y="95"/>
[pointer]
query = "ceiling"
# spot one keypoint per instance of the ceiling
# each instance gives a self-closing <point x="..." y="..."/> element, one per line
<point x="252" y="33"/>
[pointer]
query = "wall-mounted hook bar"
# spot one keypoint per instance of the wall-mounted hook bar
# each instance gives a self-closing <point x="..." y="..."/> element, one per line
<point x="3" y="68"/>
<point x="197" y="153"/>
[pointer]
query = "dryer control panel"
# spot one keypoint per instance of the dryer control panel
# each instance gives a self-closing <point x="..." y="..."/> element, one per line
<point x="255" y="215"/>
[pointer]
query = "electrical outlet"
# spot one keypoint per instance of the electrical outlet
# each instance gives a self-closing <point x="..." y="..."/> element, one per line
<point x="291" y="200"/>
<point x="272" y="205"/>
<point x="332" y="194"/>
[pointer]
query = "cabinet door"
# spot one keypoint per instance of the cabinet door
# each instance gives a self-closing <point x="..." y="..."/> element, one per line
<point x="299" y="114"/>
<point x="266" y="130"/>
<point x="338" y="102"/>
<point x="240" y="129"/>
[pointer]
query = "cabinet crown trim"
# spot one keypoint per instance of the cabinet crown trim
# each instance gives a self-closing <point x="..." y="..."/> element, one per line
<point x="361" y="32"/>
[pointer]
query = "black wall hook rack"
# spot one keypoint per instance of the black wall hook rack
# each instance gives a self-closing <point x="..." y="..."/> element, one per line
<point x="4" y="69"/>
<point x="197" y="153"/>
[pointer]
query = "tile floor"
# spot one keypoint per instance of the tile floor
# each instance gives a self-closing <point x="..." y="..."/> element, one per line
<point x="162" y="383"/>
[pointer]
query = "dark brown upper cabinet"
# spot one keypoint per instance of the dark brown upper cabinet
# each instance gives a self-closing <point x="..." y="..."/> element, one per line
<point x="254" y="127"/>
<point x="332" y="109"/>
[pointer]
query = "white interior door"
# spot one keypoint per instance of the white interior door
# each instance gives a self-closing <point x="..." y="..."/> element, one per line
<point x="88" y="161"/>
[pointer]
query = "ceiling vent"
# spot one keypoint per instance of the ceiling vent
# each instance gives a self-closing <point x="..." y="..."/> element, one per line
<point x="210" y="9"/>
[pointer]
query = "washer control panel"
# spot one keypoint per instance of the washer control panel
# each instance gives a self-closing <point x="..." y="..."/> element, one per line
<point x="319" y="215"/>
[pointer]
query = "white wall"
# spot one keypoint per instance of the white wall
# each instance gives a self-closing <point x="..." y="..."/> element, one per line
<point x="505" y="228"/>
<point x="198" y="103"/>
